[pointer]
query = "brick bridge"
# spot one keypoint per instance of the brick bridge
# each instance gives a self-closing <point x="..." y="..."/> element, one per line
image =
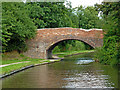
<point x="46" y="39"/>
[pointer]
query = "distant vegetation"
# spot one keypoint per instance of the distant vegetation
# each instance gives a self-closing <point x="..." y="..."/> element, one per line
<point x="20" y="21"/>
<point x="71" y="45"/>
<point x="110" y="52"/>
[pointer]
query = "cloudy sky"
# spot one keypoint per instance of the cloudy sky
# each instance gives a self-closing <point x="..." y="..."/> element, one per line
<point x="75" y="3"/>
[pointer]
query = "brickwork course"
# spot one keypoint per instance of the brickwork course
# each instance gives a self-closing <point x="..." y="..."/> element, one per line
<point x="46" y="39"/>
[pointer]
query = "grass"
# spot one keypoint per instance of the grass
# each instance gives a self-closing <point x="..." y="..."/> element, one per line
<point x="22" y="60"/>
<point x="14" y="57"/>
<point x="62" y="54"/>
<point x="10" y="68"/>
<point x="13" y="67"/>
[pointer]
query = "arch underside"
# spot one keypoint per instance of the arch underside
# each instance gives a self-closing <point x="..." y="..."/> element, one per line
<point x="53" y="45"/>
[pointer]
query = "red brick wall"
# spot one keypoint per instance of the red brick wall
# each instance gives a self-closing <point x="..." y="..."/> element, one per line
<point x="43" y="43"/>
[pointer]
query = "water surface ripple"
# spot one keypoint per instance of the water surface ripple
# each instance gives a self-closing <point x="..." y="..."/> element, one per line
<point x="78" y="71"/>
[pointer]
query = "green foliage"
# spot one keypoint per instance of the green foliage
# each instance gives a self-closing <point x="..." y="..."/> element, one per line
<point x="16" y="27"/>
<point x="87" y="17"/>
<point x="48" y="15"/>
<point x="70" y="45"/>
<point x="56" y="49"/>
<point x="110" y="52"/>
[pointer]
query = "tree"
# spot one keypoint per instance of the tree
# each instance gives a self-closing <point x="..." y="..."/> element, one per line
<point x="16" y="27"/>
<point x="88" y="17"/>
<point x="48" y="14"/>
<point x="111" y="47"/>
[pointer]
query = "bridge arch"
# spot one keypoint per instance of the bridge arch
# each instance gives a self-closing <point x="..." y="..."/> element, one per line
<point x="53" y="45"/>
<point x="47" y="39"/>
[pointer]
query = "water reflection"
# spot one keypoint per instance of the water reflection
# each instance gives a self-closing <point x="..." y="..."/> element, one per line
<point x="85" y="80"/>
<point x="72" y="72"/>
<point x="81" y="61"/>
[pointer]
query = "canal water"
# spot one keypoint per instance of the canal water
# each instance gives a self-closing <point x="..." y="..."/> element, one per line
<point x="78" y="71"/>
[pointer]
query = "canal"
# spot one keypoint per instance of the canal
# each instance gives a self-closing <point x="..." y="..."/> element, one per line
<point x="78" y="71"/>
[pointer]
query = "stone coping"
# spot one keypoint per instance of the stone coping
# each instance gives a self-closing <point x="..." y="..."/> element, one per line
<point x="71" y="28"/>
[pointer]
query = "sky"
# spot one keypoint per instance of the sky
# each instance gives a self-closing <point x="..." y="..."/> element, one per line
<point x="76" y="3"/>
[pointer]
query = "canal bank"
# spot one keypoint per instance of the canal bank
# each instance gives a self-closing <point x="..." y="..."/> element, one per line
<point x="71" y="72"/>
<point x="29" y="66"/>
<point x="70" y="53"/>
<point x="10" y="67"/>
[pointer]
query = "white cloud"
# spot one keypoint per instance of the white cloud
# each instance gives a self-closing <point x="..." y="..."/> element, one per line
<point x="24" y="1"/>
<point x="76" y="3"/>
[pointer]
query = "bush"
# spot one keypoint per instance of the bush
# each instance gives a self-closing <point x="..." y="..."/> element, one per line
<point x="16" y="27"/>
<point x="109" y="53"/>
<point x="70" y="45"/>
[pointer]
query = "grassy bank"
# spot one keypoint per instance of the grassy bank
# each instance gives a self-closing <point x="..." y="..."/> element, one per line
<point x="14" y="57"/>
<point x="13" y="67"/>
<point x="62" y="54"/>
